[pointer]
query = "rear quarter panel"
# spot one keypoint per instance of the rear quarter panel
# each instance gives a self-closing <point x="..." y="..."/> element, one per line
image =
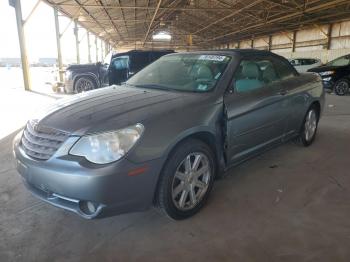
<point x="304" y="90"/>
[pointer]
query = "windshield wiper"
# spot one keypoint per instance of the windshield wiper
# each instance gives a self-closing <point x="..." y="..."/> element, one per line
<point x="153" y="86"/>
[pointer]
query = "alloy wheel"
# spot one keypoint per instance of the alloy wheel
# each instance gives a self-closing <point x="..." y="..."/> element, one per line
<point x="341" y="88"/>
<point x="191" y="181"/>
<point x="310" y="125"/>
<point x="84" y="85"/>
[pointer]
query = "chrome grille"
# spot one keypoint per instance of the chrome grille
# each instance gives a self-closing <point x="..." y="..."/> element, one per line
<point x="41" y="142"/>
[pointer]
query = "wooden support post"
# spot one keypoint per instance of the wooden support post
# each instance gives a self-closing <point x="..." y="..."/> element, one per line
<point x="101" y="43"/>
<point x="294" y="40"/>
<point x="89" y="46"/>
<point x="329" y="36"/>
<point x="58" y="45"/>
<point x="96" y="49"/>
<point x="22" y="45"/>
<point x="270" y="42"/>
<point x="252" y="43"/>
<point x="76" y="33"/>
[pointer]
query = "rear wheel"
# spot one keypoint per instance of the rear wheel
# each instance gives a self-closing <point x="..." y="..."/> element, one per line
<point x="309" y="128"/>
<point x="342" y="87"/>
<point x="186" y="180"/>
<point x="84" y="84"/>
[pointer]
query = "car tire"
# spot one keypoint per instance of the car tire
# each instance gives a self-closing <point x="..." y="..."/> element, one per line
<point x="84" y="84"/>
<point x="182" y="190"/>
<point x="309" y="127"/>
<point x="341" y="87"/>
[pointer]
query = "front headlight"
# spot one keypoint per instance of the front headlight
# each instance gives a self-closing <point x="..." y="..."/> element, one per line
<point x="326" y="73"/>
<point x="107" y="147"/>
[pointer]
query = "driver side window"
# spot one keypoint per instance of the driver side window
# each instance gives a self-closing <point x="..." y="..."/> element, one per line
<point x="120" y="63"/>
<point x="254" y="74"/>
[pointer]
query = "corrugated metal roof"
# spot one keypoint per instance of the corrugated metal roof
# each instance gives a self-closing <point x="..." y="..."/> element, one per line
<point x="211" y="22"/>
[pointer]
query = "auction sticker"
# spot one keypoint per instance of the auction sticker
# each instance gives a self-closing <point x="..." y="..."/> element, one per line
<point x="212" y="57"/>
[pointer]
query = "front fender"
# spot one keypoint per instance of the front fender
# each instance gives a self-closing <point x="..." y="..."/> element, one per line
<point x="163" y="133"/>
<point x="189" y="133"/>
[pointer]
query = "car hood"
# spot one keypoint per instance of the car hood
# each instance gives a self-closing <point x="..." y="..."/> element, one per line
<point x="323" y="68"/>
<point x="115" y="107"/>
<point x="81" y="66"/>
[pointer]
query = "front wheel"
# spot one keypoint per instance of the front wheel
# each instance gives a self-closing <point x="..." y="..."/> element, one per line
<point x="186" y="180"/>
<point x="342" y="87"/>
<point x="84" y="84"/>
<point x="309" y="128"/>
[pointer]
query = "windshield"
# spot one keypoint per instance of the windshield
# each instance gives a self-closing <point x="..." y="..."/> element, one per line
<point x="341" y="61"/>
<point x="182" y="72"/>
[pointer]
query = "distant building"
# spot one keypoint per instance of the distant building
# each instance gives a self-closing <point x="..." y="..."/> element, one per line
<point x="47" y="61"/>
<point x="10" y="61"/>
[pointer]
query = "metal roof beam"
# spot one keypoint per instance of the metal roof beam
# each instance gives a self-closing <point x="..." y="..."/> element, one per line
<point x="315" y="8"/>
<point x="150" y="24"/>
<point x="31" y="12"/>
<point x="196" y="9"/>
<point x="78" y="4"/>
<point x="109" y="18"/>
<point x="228" y="16"/>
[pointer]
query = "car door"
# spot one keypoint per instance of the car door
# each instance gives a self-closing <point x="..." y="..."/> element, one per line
<point x="255" y="109"/>
<point x="293" y="89"/>
<point x="118" y="70"/>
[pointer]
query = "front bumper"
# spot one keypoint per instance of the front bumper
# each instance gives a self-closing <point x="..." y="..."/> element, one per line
<point x="68" y="86"/>
<point x="67" y="181"/>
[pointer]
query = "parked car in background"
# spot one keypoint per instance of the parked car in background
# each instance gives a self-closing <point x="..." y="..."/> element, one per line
<point x="164" y="136"/>
<point x="115" y="69"/>
<point x="304" y="64"/>
<point x="125" y="65"/>
<point x="84" y="77"/>
<point x="335" y="75"/>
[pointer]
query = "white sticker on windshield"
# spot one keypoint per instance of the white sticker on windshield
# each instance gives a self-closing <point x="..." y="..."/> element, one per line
<point x="212" y="57"/>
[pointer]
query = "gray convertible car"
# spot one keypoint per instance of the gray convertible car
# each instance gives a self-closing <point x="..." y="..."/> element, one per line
<point x="163" y="137"/>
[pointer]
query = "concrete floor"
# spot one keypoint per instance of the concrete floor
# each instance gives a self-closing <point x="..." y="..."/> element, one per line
<point x="290" y="204"/>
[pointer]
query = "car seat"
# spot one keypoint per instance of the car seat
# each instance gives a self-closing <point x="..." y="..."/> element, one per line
<point x="204" y="73"/>
<point x="269" y="74"/>
<point x="251" y="78"/>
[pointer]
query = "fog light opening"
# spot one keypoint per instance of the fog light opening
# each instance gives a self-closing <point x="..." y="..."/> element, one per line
<point x="88" y="207"/>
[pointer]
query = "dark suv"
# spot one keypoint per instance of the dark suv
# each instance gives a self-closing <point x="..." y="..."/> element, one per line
<point x="335" y="75"/>
<point x="124" y="65"/>
<point x="120" y="67"/>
